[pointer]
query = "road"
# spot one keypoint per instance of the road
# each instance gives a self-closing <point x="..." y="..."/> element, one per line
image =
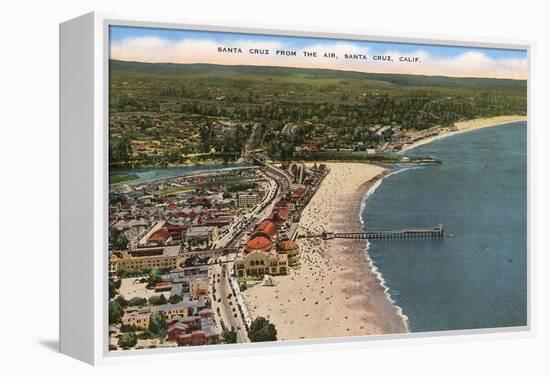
<point x="225" y="303"/>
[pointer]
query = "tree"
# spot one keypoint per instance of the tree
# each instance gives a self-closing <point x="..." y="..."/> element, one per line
<point x="127" y="103"/>
<point x="175" y="299"/>
<point x="118" y="239"/>
<point x="122" y="301"/>
<point x="128" y="272"/>
<point x="229" y="336"/>
<point x="128" y="340"/>
<point x="157" y="324"/>
<point x="154" y="277"/>
<point x="120" y="151"/>
<point x="261" y="330"/>
<point x="115" y="312"/>
<point x="137" y="301"/>
<point x="114" y="285"/>
<point x="157" y="300"/>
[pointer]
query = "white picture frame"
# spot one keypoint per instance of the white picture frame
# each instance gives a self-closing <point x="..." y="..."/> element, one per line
<point x="84" y="53"/>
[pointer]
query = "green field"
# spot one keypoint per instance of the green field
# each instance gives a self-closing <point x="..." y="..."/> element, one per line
<point x="117" y="177"/>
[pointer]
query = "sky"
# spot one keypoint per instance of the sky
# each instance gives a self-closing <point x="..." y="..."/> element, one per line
<point x="155" y="45"/>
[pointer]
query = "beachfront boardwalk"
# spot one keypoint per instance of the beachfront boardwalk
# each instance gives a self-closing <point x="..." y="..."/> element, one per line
<point x="435" y="232"/>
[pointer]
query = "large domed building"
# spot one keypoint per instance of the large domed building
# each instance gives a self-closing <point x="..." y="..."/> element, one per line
<point x="291" y="249"/>
<point x="267" y="227"/>
<point x="258" y="242"/>
<point x="260" y="256"/>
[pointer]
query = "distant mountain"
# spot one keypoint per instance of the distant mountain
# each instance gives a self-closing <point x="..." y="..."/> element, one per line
<point x="315" y="73"/>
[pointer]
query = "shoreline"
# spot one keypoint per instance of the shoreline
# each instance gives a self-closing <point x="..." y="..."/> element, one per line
<point x="336" y="290"/>
<point x="466" y="126"/>
<point x="375" y="185"/>
<point x="362" y="276"/>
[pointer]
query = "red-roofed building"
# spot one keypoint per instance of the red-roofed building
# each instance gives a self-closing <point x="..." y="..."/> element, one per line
<point x="196" y="338"/>
<point x="259" y="242"/>
<point x="284" y="204"/>
<point x="163" y="286"/>
<point x="267" y="227"/>
<point x="205" y="313"/>
<point x="160" y="237"/>
<point x="199" y="202"/>
<point x="310" y="147"/>
<point x="219" y="221"/>
<point x="281" y="203"/>
<point x="280" y="215"/>
<point x="184" y="340"/>
<point x="297" y="194"/>
<point x="176" y="330"/>
<point x="192" y="321"/>
<point x="176" y="231"/>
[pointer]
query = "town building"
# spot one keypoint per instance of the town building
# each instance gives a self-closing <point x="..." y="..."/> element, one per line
<point x="145" y="258"/>
<point x="138" y="318"/>
<point x="200" y="236"/>
<point x="220" y="221"/>
<point x="297" y="195"/>
<point x="267" y="228"/>
<point x="198" y="288"/>
<point x="259" y="257"/>
<point x="160" y="237"/>
<point x="248" y="200"/>
<point x="192" y="330"/>
<point x="291" y="249"/>
<point x="259" y="263"/>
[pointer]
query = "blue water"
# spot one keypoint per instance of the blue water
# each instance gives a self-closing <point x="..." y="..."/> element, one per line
<point x="478" y="277"/>
<point x="148" y="174"/>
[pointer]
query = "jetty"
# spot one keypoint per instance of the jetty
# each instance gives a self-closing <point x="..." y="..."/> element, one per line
<point x="437" y="231"/>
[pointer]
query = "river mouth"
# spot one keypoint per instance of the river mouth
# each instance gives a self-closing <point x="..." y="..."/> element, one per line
<point x="149" y="174"/>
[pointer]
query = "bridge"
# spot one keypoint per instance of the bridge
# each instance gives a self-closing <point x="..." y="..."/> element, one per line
<point x="285" y="177"/>
<point x="435" y="232"/>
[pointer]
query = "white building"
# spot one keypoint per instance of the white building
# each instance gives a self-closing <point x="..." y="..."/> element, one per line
<point x="201" y="235"/>
<point x="248" y="200"/>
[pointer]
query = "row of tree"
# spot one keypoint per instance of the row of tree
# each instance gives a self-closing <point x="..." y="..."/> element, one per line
<point x="435" y="107"/>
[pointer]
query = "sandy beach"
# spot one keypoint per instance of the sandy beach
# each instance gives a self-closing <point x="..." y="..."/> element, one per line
<point x="333" y="292"/>
<point x="469" y="125"/>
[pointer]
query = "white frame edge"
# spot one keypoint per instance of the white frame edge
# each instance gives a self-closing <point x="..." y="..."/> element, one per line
<point x="99" y="299"/>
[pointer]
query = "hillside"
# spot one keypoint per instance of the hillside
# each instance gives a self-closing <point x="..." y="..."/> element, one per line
<point x="168" y="113"/>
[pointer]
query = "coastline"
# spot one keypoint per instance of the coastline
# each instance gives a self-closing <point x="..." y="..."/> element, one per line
<point x="358" y="288"/>
<point x="375" y="185"/>
<point x="469" y="125"/>
<point x="335" y="291"/>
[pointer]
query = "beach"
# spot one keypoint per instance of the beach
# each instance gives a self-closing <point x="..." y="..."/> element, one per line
<point x="469" y="125"/>
<point x="334" y="291"/>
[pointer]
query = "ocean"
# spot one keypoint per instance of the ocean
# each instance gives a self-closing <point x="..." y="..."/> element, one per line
<point x="476" y="276"/>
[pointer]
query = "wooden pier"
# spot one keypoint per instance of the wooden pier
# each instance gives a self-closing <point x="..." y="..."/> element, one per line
<point x="435" y="232"/>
